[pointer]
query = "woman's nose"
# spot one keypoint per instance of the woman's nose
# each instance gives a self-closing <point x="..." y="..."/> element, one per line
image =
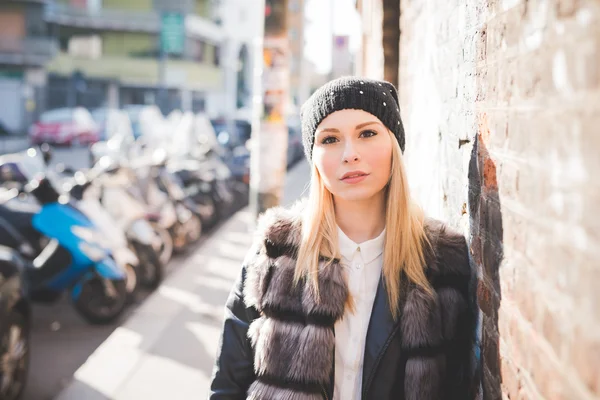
<point x="350" y="154"/>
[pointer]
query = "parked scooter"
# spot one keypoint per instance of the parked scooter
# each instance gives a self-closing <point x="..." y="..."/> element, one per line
<point x="15" y="325"/>
<point x="194" y="158"/>
<point x="72" y="255"/>
<point x="121" y="197"/>
<point x="183" y="226"/>
<point x="131" y="238"/>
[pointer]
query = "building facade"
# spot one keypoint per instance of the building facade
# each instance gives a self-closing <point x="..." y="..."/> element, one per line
<point x="241" y="21"/>
<point x="25" y="48"/>
<point x="298" y="75"/>
<point x="342" y="59"/>
<point x="369" y="60"/>
<point x="116" y="52"/>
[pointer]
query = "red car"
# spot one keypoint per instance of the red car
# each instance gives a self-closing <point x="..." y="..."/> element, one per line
<point x="65" y="126"/>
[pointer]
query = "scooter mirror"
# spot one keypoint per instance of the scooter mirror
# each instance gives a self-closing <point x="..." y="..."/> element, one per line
<point x="46" y="152"/>
<point x="42" y="190"/>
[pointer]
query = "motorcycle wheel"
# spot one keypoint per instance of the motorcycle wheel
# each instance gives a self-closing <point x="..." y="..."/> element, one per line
<point x="151" y="270"/>
<point x="14" y="356"/>
<point x="95" y="306"/>
<point x="179" y="237"/>
<point x="166" y="243"/>
<point x="195" y="229"/>
<point x="133" y="282"/>
<point x="207" y="210"/>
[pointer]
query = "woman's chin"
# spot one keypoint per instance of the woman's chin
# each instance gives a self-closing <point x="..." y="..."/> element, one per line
<point x="355" y="194"/>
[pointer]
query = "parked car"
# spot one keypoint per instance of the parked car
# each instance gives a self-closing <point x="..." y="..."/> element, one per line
<point x="295" y="149"/>
<point x="232" y="133"/>
<point x="4" y="131"/>
<point x="15" y="325"/>
<point x="65" y="126"/>
<point x="233" y="136"/>
<point x="139" y="114"/>
<point x="109" y="121"/>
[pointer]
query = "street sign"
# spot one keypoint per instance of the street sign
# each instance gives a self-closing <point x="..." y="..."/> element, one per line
<point x="172" y="33"/>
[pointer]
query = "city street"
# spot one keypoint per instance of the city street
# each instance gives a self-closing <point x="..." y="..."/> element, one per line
<point x="62" y="341"/>
<point x="166" y="348"/>
<point x="75" y="157"/>
<point x="491" y="108"/>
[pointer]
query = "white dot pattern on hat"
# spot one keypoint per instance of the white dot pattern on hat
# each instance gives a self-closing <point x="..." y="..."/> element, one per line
<point x="341" y="94"/>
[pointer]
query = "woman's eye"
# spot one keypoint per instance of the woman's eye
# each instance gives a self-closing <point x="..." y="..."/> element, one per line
<point x="368" y="133"/>
<point x="329" y="140"/>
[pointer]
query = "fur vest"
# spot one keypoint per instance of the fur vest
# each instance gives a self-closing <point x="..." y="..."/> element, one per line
<point x="426" y="354"/>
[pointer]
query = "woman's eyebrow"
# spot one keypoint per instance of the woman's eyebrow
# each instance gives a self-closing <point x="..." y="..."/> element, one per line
<point x="335" y="130"/>
<point x="366" y="124"/>
<point x="328" y="130"/>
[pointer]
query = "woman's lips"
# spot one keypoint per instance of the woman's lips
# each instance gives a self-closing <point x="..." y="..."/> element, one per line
<point x="355" y="178"/>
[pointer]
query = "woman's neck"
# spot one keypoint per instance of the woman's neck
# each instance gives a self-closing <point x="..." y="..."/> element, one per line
<point x="361" y="220"/>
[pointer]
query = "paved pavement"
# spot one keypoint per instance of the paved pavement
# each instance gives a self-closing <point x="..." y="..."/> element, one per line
<point x="11" y="144"/>
<point x="167" y="347"/>
<point x="61" y="339"/>
<point x="74" y="157"/>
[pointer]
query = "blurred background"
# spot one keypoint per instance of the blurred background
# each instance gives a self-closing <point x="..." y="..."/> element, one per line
<point x="190" y="55"/>
<point x="500" y="100"/>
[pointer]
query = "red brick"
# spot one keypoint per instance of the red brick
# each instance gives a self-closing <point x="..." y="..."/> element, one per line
<point x="510" y="378"/>
<point x="533" y="102"/>
<point x="566" y="8"/>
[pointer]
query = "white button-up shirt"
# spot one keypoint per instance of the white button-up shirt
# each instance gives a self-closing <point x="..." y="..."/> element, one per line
<point x="362" y="264"/>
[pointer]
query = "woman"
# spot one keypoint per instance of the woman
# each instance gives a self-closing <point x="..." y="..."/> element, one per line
<point x="352" y="294"/>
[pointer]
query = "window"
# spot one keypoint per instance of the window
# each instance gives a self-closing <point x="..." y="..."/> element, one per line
<point x="196" y="49"/>
<point x="217" y="56"/>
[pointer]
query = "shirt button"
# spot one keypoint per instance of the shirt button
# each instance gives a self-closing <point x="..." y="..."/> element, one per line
<point x="348" y="377"/>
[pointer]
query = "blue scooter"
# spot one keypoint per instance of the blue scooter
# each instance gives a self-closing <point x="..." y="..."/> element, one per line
<point x="74" y="259"/>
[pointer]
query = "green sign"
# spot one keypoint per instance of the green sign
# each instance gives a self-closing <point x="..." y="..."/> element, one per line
<point x="172" y="33"/>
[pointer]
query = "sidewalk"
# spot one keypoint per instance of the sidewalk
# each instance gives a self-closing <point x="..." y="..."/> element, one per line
<point x="13" y="144"/>
<point x="167" y="347"/>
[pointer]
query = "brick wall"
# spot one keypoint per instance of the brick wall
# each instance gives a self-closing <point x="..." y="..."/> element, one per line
<point x="501" y="102"/>
<point x="369" y="60"/>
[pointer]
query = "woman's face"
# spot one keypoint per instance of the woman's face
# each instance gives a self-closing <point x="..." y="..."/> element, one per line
<point x="353" y="154"/>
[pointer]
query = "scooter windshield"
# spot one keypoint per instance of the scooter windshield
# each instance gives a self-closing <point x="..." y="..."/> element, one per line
<point x="27" y="163"/>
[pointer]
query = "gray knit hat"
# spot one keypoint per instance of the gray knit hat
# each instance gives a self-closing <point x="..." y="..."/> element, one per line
<point x="379" y="98"/>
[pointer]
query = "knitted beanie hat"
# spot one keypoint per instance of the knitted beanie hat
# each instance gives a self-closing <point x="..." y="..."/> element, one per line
<point x="376" y="97"/>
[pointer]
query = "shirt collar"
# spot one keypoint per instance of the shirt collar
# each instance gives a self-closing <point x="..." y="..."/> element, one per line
<point x="369" y="250"/>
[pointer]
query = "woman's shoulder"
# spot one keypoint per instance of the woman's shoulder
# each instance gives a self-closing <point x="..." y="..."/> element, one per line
<point x="279" y="229"/>
<point x="449" y="250"/>
<point x="277" y="233"/>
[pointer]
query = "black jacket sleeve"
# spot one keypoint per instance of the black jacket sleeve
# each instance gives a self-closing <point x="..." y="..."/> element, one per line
<point x="233" y="371"/>
<point x="464" y="353"/>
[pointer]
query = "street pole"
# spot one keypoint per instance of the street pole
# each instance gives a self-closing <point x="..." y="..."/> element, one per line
<point x="269" y="139"/>
<point x="332" y="38"/>
<point x="162" y="73"/>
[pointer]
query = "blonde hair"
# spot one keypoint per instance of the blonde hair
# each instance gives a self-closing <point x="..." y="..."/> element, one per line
<point x="405" y="238"/>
